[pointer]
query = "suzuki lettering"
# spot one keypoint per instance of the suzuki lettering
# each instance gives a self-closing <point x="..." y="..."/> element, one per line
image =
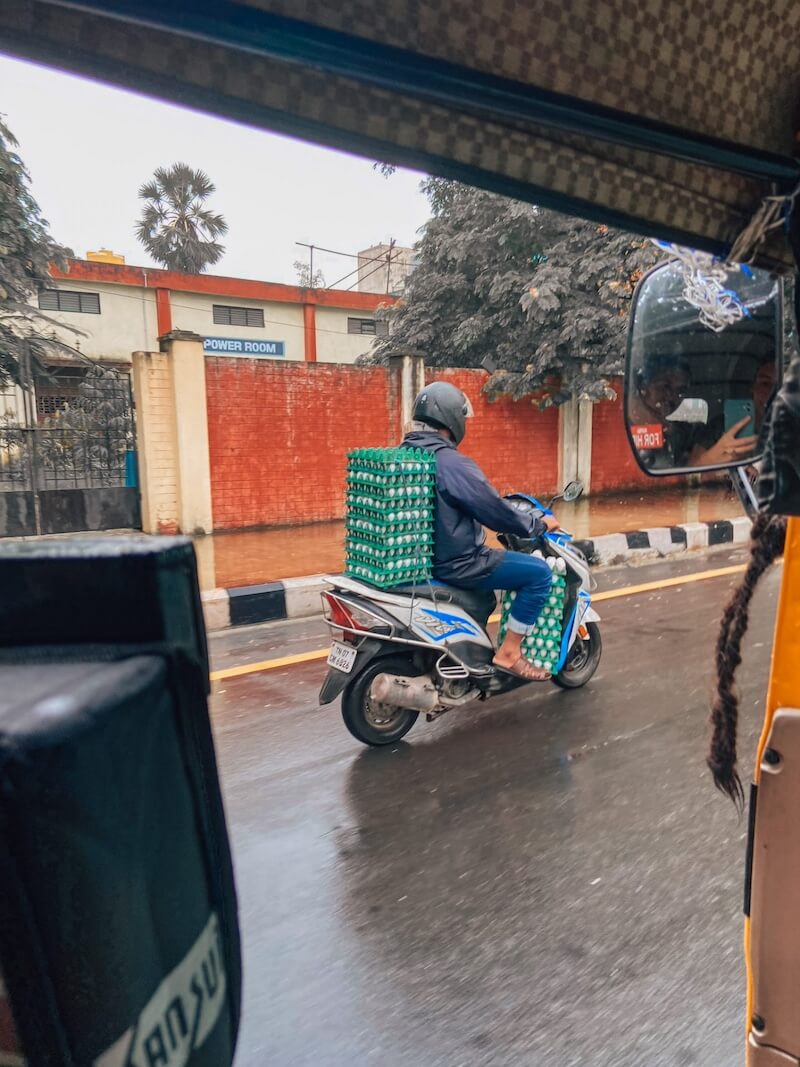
<point x="439" y="625"/>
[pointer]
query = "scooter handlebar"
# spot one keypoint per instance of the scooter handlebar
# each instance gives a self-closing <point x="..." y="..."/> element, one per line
<point x="518" y="544"/>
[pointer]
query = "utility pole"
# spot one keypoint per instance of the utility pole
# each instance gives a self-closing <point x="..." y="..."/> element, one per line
<point x="389" y="264"/>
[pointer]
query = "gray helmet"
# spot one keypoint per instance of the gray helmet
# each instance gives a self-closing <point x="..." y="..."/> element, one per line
<point x="443" y="405"/>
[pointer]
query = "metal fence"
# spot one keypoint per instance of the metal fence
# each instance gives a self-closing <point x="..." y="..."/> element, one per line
<point x="86" y="443"/>
<point x="15" y="470"/>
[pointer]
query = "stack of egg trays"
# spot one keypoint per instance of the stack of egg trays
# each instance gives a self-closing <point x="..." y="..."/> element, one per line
<point x="542" y="644"/>
<point x="389" y="516"/>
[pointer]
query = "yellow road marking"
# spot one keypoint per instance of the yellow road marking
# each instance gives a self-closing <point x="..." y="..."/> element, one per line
<point x="268" y="664"/>
<point x="647" y="587"/>
<point x="609" y="594"/>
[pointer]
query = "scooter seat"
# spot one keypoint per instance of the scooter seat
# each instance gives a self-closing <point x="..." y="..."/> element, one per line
<point x="478" y="603"/>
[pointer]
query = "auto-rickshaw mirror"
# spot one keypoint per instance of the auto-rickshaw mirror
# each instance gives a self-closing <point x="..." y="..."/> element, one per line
<point x="696" y="394"/>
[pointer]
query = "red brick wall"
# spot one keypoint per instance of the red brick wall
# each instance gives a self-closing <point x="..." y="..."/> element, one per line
<point x="279" y="434"/>
<point x="514" y="442"/>
<point x="613" y="464"/>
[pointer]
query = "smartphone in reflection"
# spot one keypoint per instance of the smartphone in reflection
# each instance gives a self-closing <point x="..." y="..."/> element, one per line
<point x="735" y="411"/>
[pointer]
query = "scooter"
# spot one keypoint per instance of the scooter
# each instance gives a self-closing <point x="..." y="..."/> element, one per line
<point x="400" y="652"/>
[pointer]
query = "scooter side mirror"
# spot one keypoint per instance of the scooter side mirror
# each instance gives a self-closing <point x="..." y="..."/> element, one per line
<point x="572" y="491"/>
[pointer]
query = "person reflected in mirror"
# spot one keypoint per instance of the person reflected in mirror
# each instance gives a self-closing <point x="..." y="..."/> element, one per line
<point x="662" y="385"/>
<point x="727" y="450"/>
<point x="729" y="447"/>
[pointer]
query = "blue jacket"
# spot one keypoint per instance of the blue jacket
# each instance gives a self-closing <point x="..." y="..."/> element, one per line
<point x="465" y="503"/>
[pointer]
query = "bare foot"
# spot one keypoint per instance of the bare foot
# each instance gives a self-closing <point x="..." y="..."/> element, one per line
<point x="522" y="668"/>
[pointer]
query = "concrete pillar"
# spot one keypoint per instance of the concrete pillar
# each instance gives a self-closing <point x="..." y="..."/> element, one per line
<point x="411" y="368"/>
<point x="172" y="425"/>
<point x="156" y="442"/>
<point x="575" y="443"/>
<point x="191" y="430"/>
<point x="206" y="562"/>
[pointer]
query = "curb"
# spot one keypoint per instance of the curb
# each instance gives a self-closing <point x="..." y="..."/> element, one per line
<point x="298" y="598"/>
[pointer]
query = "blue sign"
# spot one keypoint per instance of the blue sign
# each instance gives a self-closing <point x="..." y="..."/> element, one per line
<point x="234" y="346"/>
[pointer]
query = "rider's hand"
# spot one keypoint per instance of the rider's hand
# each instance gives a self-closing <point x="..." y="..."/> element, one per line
<point x="729" y="448"/>
<point x="551" y="522"/>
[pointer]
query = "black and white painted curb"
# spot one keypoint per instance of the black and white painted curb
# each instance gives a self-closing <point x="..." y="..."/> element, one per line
<point x="297" y="598"/>
<point x="665" y="540"/>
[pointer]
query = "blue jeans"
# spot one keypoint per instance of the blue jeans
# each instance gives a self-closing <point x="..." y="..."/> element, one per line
<point x="531" y="578"/>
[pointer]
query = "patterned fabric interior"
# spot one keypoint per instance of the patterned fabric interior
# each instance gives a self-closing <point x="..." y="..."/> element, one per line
<point x="668" y="117"/>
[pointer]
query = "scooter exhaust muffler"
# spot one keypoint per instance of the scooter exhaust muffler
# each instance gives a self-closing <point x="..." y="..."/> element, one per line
<point x="417" y="694"/>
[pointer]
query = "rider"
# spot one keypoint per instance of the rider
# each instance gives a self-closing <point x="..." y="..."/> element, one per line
<point x="465" y="502"/>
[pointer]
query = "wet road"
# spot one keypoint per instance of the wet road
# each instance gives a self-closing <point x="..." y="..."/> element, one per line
<point x="548" y="878"/>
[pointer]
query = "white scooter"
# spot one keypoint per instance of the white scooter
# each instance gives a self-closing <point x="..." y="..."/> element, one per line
<point x="402" y="651"/>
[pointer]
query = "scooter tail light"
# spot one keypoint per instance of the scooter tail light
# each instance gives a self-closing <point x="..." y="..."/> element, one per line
<point x="344" y="615"/>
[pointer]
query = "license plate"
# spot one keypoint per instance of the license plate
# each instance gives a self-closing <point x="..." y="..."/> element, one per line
<point x="341" y="657"/>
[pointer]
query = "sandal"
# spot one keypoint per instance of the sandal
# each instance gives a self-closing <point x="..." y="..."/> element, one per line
<point x="523" y="668"/>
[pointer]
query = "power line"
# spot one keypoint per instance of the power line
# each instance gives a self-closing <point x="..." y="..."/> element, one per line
<point x="381" y="264"/>
<point x="349" y="255"/>
<point x="386" y="261"/>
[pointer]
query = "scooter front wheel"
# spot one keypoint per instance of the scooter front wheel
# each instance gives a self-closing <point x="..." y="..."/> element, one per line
<point x="369" y="721"/>
<point x="583" y="659"/>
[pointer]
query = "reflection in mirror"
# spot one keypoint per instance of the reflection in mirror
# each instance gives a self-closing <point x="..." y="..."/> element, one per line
<point x="694" y="398"/>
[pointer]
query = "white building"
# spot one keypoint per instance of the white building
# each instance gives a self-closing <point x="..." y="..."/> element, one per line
<point x="110" y="309"/>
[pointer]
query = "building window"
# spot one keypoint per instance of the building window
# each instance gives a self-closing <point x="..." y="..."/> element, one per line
<point x="368" y="327"/>
<point x="232" y="316"/>
<point x="51" y="404"/>
<point x="68" y="300"/>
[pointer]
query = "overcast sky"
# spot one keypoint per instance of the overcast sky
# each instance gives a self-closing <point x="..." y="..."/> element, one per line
<point x="89" y="147"/>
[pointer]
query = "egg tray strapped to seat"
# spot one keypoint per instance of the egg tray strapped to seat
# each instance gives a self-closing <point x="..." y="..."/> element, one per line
<point x="542" y="645"/>
<point x="389" y="516"/>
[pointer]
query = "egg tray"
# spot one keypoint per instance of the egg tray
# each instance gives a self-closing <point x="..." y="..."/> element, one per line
<point x="389" y="510"/>
<point x="542" y="644"/>
<point x="390" y="515"/>
<point x="391" y="537"/>
<point x="383" y="577"/>
<point x="392" y="461"/>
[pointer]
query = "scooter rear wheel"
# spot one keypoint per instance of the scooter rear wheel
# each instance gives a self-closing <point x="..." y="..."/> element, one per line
<point x="583" y="660"/>
<point x="367" y="720"/>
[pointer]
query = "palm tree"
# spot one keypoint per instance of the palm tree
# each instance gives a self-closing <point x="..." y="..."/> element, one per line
<point x="176" y="227"/>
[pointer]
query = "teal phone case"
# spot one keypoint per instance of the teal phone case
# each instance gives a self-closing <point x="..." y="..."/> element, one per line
<point x="735" y="411"/>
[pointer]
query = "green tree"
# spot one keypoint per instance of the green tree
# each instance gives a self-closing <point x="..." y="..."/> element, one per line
<point x="538" y="298"/>
<point x="26" y="252"/>
<point x="177" y="228"/>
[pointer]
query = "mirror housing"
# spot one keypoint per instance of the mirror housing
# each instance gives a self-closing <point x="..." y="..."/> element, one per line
<point x="695" y="398"/>
<point x="572" y="491"/>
